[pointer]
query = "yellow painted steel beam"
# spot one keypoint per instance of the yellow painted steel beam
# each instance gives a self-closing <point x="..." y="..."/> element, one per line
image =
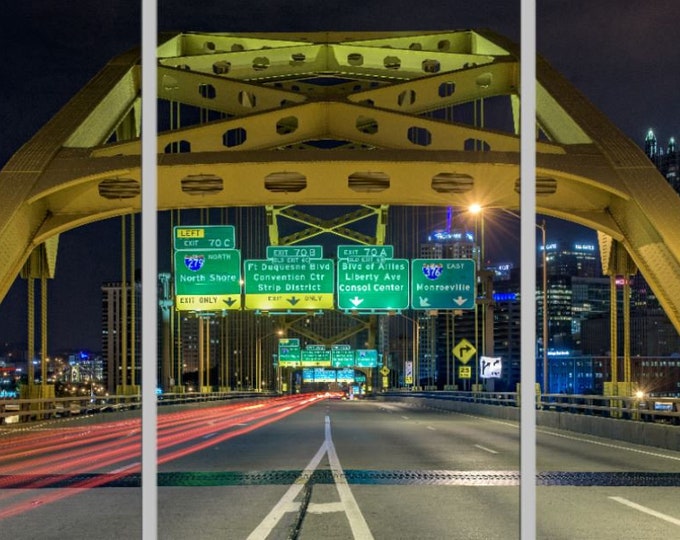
<point x="329" y="120"/>
<point x="388" y="101"/>
<point x="336" y="226"/>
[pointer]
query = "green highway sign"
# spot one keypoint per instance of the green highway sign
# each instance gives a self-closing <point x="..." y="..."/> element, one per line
<point x="289" y="279"/>
<point x="366" y="283"/>
<point x="443" y="284"/>
<point x="342" y="356"/>
<point x="204" y="237"/>
<point x="366" y="358"/>
<point x="207" y="268"/>
<point x="355" y="252"/>
<point x="286" y="253"/>
<point x="289" y="352"/>
<point x="207" y="279"/>
<point x="315" y="356"/>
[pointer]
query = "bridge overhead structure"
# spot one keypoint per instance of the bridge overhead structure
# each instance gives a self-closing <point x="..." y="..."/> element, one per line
<point x="364" y="119"/>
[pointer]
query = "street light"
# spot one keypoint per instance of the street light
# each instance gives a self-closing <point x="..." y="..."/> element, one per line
<point x="478" y="211"/>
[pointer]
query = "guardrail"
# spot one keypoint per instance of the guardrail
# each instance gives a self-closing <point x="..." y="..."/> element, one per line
<point x="646" y="409"/>
<point x="655" y="409"/>
<point x="644" y="421"/>
<point x="14" y="411"/>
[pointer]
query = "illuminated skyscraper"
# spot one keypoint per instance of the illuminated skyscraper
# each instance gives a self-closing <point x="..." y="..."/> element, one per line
<point x="651" y="146"/>
<point x="665" y="159"/>
<point x="578" y="259"/>
<point x="457" y="244"/>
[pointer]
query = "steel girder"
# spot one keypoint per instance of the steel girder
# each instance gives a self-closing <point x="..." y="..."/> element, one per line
<point x="365" y="119"/>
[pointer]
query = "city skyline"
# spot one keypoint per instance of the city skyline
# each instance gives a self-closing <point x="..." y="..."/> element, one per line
<point x="634" y="103"/>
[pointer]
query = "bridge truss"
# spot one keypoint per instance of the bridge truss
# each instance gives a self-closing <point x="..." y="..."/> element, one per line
<point x="360" y="119"/>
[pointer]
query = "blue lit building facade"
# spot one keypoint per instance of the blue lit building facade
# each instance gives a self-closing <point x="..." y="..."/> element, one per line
<point x="576" y="291"/>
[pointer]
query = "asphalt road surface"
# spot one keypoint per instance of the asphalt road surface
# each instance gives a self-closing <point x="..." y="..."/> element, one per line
<point x="329" y="469"/>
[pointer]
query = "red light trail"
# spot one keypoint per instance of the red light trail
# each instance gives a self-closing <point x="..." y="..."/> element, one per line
<point x="111" y="450"/>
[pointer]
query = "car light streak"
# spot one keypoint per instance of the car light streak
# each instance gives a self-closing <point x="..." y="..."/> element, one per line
<point x="93" y="449"/>
<point x="231" y="434"/>
<point x="78" y="451"/>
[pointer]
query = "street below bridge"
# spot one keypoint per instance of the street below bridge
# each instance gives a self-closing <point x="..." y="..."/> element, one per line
<point x="310" y="467"/>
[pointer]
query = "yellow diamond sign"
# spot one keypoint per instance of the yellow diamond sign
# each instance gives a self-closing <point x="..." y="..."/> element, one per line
<point x="464" y="351"/>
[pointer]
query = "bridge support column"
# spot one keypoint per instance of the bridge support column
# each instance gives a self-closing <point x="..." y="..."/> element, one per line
<point x="40" y="264"/>
<point x="30" y="295"/>
<point x="618" y="263"/>
<point x="167" y="380"/>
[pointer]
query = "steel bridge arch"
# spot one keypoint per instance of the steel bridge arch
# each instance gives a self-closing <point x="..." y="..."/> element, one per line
<point x="348" y="118"/>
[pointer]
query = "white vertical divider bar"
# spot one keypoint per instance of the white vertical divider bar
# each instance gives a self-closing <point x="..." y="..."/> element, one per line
<point x="149" y="272"/>
<point x="528" y="265"/>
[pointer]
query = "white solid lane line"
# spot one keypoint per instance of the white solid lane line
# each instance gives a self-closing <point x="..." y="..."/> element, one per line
<point x="646" y="510"/>
<point x="486" y="449"/>
<point x="347" y="502"/>
<point x="287" y="502"/>
<point x="356" y="519"/>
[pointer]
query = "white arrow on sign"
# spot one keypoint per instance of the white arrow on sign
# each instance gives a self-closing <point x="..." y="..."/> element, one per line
<point x="356" y="301"/>
<point x="424" y="302"/>
<point x="460" y="300"/>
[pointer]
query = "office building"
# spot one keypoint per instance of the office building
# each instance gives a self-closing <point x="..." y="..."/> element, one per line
<point x="121" y="335"/>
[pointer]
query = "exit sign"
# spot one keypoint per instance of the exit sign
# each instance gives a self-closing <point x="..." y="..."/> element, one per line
<point x="291" y="278"/>
<point x="289" y="352"/>
<point x="369" y="279"/>
<point x="204" y="237"/>
<point x="443" y="283"/>
<point x="207" y="268"/>
<point x="207" y="280"/>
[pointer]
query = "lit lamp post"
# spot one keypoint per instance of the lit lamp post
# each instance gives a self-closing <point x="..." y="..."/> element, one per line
<point x="477" y="211"/>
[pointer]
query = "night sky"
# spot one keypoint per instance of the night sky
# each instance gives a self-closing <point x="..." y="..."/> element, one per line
<point x="622" y="54"/>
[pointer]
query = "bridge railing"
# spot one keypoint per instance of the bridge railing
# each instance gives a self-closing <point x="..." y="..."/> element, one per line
<point x="646" y="409"/>
<point x="14" y="411"/>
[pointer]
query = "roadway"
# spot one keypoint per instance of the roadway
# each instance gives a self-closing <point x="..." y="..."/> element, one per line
<point x="328" y="469"/>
